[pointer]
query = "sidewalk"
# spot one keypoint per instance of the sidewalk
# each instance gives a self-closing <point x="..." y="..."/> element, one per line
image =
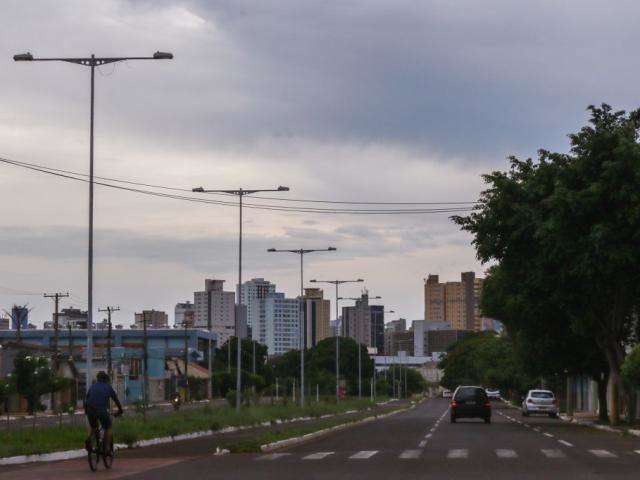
<point x="590" y="420"/>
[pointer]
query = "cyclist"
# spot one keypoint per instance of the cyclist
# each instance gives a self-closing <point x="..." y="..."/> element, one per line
<point x="96" y="407"/>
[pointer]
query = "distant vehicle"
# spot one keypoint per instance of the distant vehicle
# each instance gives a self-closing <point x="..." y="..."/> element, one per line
<point x="470" y="402"/>
<point x="493" y="394"/>
<point x="540" y="401"/>
<point x="446" y="393"/>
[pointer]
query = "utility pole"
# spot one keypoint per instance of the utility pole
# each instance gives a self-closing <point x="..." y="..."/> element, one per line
<point x="109" y="310"/>
<point x="56" y="298"/>
<point x="145" y="358"/>
<point x="186" y="361"/>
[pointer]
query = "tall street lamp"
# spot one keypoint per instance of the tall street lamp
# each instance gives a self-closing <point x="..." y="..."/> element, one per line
<point x="240" y="192"/>
<point x="359" y="346"/>
<point x="303" y="331"/>
<point x="337" y="283"/>
<point x="91" y="62"/>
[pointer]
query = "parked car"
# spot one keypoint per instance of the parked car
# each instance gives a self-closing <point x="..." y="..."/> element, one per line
<point x="540" y="401"/>
<point x="470" y="402"/>
<point x="446" y="393"/>
<point x="493" y="394"/>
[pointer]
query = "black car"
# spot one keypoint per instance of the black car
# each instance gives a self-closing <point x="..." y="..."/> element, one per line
<point x="470" y="402"/>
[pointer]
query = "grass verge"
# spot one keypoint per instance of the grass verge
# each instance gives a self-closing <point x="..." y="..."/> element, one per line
<point x="130" y="429"/>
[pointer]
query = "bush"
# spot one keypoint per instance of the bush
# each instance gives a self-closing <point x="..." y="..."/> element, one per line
<point x="231" y="398"/>
<point x="630" y="371"/>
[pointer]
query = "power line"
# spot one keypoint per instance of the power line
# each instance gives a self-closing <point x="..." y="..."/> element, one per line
<point x="258" y="206"/>
<point x="279" y="199"/>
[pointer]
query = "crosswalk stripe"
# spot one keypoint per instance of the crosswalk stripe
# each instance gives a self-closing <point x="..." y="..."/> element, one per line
<point x="603" y="453"/>
<point x="272" y="456"/>
<point x="410" y="454"/>
<point x="363" y="455"/>
<point x="458" y="453"/>
<point x="550" y="453"/>
<point x="422" y="444"/>
<point x="318" y="456"/>
<point x="428" y="435"/>
<point x="565" y="443"/>
<point x="506" y="453"/>
<point x="548" y="435"/>
<point x="637" y="451"/>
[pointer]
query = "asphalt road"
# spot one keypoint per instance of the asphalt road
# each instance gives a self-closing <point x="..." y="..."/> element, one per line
<point x="420" y="443"/>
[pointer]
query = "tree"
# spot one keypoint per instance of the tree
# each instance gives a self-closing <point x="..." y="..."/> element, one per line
<point x="630" y="371"/>
<point x="6" y="389"/>
<point x="32" y="377"/>
<point x="221" y="357"/>
<point x="573" y="220"/>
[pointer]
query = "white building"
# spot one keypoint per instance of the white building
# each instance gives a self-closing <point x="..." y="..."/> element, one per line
<point x="216" y="308"/>
<point x="280" y="324"/>
<point x="183" y="309"/>
<point x="254" y="289"/>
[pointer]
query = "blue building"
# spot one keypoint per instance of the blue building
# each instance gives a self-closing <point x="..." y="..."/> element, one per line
<point x="164" y="346"/>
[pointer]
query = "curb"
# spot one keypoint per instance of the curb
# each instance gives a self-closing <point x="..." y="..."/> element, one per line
<point x="289" y="442"/>
<point x="71" y="454"/>
<point x="597" y="426"/>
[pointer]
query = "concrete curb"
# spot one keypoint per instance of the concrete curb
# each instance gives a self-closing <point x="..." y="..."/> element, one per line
<point x="597" y="426"/>
<point x="289" y="442"/>
<point x="71" y="454"/>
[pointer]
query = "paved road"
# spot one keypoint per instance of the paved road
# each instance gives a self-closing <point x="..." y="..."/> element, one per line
<point x="417" y="444"/>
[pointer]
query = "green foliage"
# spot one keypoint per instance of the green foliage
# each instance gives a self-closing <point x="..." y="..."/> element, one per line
<point x="32" y="377"/>
<point x="630" y="372"/>
<point x="415" y="382"/>
<point x="486" y="360"/>
<point x="221" y="358"/>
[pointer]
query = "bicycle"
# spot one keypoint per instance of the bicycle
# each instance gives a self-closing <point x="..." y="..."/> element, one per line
<point x="99" y="449"/>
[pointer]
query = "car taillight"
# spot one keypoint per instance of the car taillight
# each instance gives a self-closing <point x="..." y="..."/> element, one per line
<point x="488" y="404"/>
<point x="529" y="400"/>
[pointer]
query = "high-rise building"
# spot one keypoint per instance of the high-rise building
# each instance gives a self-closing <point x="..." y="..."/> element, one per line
<point x="5" y="323"/>
<point x="215" y="308"/>
<point x="356" y="321"/>
<point x="316" y="317"/>
<point x="74" y="316"/>
<point x="184" y="310"/>
<point x="401" y="342"/>
<point x="155" y="319"/>
<point x="439" y="340"/>
<point x="281" y="323"/>
<point x="456" y="303"/>
<point x="399" y="325"/>
<point x="377" y="327"/>
<point x="256" y="288"/>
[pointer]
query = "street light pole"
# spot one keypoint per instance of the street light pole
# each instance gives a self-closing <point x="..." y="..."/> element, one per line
<point x="240" y="192"/>
<point x="359" y="346"/>
<point x="337" y="283"/>
<point x="91" y="62"/>
<point x="303" y="324"/>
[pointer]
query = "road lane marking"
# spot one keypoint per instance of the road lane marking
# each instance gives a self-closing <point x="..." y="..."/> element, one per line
<point x="550" y="453"/>
<point x="547" y="434"/>
<point x="272" y="456"/>
<point x="536" y="429"/>
<point x="527" y="425"/>
<point x="428" y="435"/>
<point x="318" y="456"/>
<point x="432" y="430"/>
<point x="458" y="453"/>
<point x="603" y="453"/>
<point x="506" y="453"/>
<point x="565" y="443"/>
<point x="363" y="455"/>
<point x="422" y="444"/>
<point x="410" y="454"/>
<point x="637" y="451"/>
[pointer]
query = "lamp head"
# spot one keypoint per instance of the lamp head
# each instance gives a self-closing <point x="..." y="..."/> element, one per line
<point x="331" y="249"/>
<point x="313" y="281"/>
<point x="23" y="57"/>
<point x="283" y="189"/>
<point x="162" y="56"/>
<point x="271" y="249"/>
<point x="197" y="189"/>
<point x="360" y="280"/>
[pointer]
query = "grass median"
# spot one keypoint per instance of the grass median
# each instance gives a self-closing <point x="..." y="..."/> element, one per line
<point x="130" y="429"/>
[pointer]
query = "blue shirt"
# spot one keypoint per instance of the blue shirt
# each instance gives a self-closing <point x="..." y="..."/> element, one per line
<point x="99" y="394"/>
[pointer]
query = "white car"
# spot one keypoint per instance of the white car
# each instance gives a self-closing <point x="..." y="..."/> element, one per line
<point x="493" y="394"/>
<point x="540" y="401"/>
<point x="446" y="393"/>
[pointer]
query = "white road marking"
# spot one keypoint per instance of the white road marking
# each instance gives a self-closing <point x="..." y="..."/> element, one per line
<point x="527" y="425"/>
<point x="318" y="456"/>
<point x="536" y="429"/>
<point x="603" y="453"/>
<point x="565" y="443"/>
<point x="506" y="453"/>
<point x="432" y="430"/>
<point x="547" y="434"/>
<point x="422" y="444"/>
<point x="550" y="453"/>
<point x="637" y="451"/>
<point x="410" y="454"/>
<point x="272" y="456"/>
<point x="428" y="435"/>
<point x="363" y="455"/>
<point x="458" y="453"/>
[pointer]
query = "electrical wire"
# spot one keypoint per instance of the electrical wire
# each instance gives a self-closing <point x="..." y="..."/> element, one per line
<point x="258" y="206"/>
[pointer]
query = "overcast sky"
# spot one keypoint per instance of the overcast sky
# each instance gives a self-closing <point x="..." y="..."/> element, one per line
<point x="400" y="101"/>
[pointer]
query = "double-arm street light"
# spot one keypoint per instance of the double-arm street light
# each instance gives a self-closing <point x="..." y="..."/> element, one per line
<point x="359" y="347"/>
<point x="303" y="331"/>
<point x="91" y="62"/>
<point x="240" y="192"/>
<point x="337" y="283"/>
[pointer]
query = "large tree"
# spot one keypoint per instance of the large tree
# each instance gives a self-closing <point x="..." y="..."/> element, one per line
<point x="573" y="220"/>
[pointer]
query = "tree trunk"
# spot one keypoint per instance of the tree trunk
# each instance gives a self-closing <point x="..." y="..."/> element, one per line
<point x="603" y="383"/>
<point x="614" y="413"/>
<point x="631" y="406"/>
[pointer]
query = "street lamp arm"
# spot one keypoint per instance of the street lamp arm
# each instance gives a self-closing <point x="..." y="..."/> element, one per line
<point x="89" y="61"/>
<point x="240" y="191"/>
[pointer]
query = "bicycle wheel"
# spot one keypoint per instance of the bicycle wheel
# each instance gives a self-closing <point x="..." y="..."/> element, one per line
<point x="93" y="455"/>
<point x="107" y="456"/>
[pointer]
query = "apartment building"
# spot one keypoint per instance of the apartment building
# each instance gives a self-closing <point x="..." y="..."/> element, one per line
<point x="456" y="303"/>
<point x="215" y="310"/>
<point x="316" y="316"/>
<point x="154" y="319"/>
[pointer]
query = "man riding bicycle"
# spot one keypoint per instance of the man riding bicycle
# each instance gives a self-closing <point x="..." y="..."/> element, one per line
<point x="96" y="407"/>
